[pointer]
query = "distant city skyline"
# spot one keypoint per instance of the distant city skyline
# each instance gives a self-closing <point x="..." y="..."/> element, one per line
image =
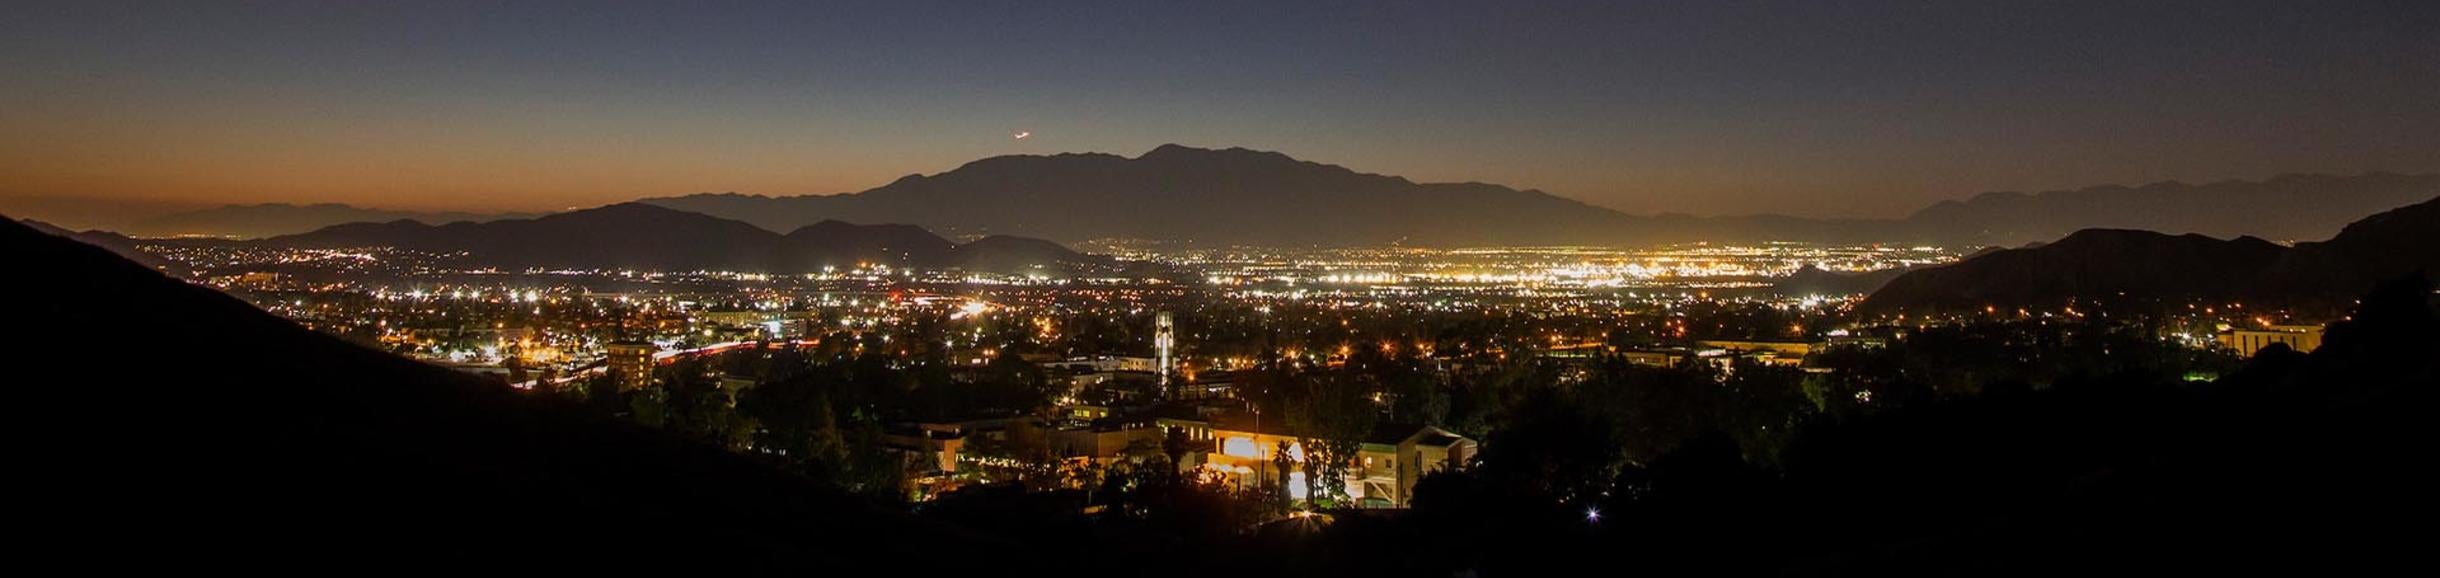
<point x="1869" y="110"/>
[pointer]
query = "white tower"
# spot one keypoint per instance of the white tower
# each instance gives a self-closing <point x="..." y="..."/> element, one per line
<point x="1164" y="339"/>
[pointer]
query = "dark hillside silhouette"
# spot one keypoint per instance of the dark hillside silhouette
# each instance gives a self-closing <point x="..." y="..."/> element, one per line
<point x="2298" y="463"/>
<point x="173" y="425"/>
<point x="2105" y="265"/>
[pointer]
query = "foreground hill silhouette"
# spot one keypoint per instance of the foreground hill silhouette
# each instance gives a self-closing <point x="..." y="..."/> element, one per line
<point x="2296" y="463"/>
<point x="117" y="244"/>
<point x="648" y="237"/>
<point x="2105" y="265"/>
<point x="192" y="430"/>
<point x="1240" y="196"/>
<point x="180" y="427"/>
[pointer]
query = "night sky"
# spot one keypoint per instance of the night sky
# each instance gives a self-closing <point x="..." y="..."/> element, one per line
<point x="1806" y="108"/>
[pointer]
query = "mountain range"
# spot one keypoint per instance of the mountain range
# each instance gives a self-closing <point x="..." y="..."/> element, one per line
<point x="2286" y="208"/>
<point x="1182" y="193"/>
<point x="2098" y="264"/>
<point x="1238" y="196"/>
<point x="233" y="430"/>
<point x="1241" y="196"/>
<point x="647" y="237"/>
<point x="273" y="219"/>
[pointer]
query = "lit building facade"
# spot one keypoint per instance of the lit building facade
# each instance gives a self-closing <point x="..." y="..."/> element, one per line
<point x="2247" y="342"/>
<point x="631" y="364"/>
<point x="1388" y="462"/>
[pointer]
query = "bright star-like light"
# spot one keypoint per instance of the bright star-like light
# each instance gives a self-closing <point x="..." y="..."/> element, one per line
<point x="970" y="309"/>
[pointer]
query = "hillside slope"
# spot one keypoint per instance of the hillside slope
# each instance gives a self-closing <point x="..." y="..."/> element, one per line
<point x="2103" y="264"/>
<point x="202" y="432"/>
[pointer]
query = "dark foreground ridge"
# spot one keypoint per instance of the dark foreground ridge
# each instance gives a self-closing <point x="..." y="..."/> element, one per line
<point x="176" y="427"/>
<point x="189" y="430"/>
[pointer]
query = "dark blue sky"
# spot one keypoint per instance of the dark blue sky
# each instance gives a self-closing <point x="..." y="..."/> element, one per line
<point x="1812" y="108"/>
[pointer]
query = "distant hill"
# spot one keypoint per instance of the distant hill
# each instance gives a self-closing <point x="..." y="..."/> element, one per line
<point x="2366" y="252"/>
<point x="1240" y="196"/>
<point x="2106" y="263"/>
<point x="1177" y="192"/>
<point x="111" y="214"/>
<point x="647" y="237"/>
<point x="2284" y="208"/>
<point x="1811" y="280"/>
<point x="199" y="429"/>
<point x="1008" y="254"/>
<point x="272" y="219"/>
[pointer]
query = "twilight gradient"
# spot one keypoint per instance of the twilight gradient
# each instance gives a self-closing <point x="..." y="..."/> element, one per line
<point x="1708" y="107"/>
